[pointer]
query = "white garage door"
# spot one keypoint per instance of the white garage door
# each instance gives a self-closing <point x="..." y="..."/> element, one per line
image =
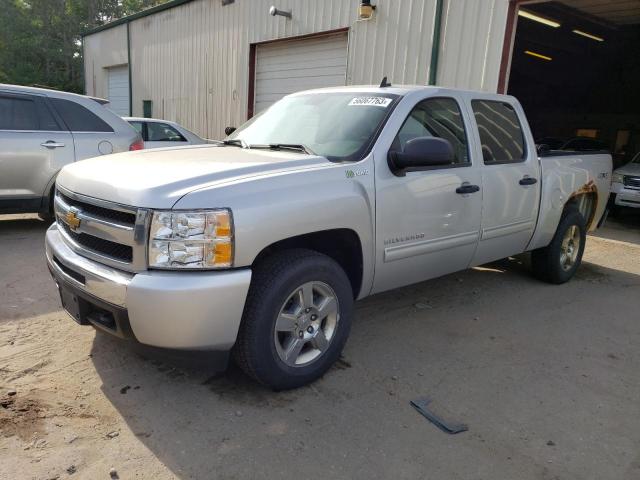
<point x="118" y="89"/>
<point x="287" y="67"/>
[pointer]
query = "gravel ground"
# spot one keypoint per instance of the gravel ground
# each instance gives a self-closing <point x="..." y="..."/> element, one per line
<point x="546" y="377"/>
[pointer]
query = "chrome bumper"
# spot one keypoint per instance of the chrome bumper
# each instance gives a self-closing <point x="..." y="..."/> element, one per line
<point x="100" y="281"/>
<point x="179" y="310"/>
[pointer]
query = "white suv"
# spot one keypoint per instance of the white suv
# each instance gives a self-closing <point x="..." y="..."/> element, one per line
<point x="625" y="185"/>
<point x="43" y="130"/>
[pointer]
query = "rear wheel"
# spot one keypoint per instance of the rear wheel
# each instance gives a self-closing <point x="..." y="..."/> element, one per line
<point x="558" y="261"/>
<point x="296" y="319"/>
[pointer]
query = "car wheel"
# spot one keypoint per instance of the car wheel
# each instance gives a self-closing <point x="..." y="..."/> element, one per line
<point x="296" y="319"/>
<point x="558" y="262"/>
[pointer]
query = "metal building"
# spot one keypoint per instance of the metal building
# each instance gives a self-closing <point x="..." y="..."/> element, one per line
<point x="212" y="63"/>
<point x="208" y="64"/>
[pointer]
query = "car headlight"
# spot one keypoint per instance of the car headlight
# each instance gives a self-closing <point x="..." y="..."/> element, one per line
<point x="191" y="239"/>
<point x="617" y="178"/>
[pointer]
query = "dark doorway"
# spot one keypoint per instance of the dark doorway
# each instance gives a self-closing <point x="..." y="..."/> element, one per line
<point x="577" y="77"/>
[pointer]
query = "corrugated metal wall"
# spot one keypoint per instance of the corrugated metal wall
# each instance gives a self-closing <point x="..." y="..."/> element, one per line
<point x="105" y="49"/>
<point x="471" y="47"/>
<point x="192" y="61"/>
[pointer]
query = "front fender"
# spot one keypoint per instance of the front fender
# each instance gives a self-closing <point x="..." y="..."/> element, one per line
<point x="277" y="206"/>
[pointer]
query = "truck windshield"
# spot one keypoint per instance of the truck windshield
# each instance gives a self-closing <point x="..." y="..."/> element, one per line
<point x="341" y="126"/>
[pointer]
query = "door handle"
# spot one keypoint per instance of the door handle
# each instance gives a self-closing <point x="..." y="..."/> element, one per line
<point x="528" y="181"/>
<point x="52" y="144"/>
<point x="467" y="188"/>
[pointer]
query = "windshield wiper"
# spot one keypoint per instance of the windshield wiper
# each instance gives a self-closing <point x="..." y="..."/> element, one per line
<point x="236" y="142"/>
<point x="285" y="146"/>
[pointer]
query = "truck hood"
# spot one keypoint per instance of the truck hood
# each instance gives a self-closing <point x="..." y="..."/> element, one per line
<point x="629" y="169"/>
<point x="159" y="178"/>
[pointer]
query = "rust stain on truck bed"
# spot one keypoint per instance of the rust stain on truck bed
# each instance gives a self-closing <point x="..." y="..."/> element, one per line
<point x="589" y="188"/>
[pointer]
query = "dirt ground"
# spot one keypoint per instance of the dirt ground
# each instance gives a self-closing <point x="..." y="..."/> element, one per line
<point x="546" y="377"/>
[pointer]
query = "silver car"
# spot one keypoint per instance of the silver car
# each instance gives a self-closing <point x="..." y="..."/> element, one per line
<point x="43" y="130"/>
<point x="158" y="133"/>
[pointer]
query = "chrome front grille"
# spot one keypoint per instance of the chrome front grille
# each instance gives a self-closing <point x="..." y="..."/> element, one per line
<point x="117" y="251"/>
<point x="106" y="232"/>
<point x="124" y="218"/>
<point x="633" y="182"/>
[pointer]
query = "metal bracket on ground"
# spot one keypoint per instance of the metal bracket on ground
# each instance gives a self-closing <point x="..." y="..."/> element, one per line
<point x="422" y="404"/>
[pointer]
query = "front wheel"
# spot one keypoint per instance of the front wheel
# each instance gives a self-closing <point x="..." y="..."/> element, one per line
<point x="558" y="261"/>
<point x="296" y="319"/>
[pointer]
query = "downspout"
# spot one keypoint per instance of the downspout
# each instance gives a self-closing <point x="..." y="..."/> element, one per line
<point x="129" y="66"/>
<point x="435" y="43"/>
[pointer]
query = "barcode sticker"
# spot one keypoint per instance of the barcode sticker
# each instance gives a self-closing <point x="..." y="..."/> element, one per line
<point x="370" y="101"/>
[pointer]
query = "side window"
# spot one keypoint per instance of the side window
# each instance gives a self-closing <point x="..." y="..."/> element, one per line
<point x="139" y="127"/>
<point x="161" y="132"/>
<point x="436" y="117"/>
<point x="18" y="114"/>
<point x="79" y="118"/>
<point x="500" y="132"/>
<point x="45" y="118"/>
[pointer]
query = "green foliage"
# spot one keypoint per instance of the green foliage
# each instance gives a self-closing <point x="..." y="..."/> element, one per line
<point x="40" y="41"/>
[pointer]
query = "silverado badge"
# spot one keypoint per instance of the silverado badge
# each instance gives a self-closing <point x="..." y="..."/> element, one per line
<point x="72" y="220"/>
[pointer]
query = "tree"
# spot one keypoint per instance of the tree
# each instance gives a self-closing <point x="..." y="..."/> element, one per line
<point x="40" y="40"/>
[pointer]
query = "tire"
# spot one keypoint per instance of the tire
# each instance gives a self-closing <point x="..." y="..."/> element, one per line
<point x="46" y="217"/>
<point x="551" y="263"/>
<point x="275" y="321"/>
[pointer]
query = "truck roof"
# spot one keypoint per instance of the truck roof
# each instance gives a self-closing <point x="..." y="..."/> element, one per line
<point x="403" y="90"/>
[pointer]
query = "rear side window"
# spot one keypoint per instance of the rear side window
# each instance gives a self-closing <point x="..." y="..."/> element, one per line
<point x="500" y="131"/>
<point x="45" y="117"/>
<point x="161" y="132"/>
<point x="79" y="118"/>
<point x="18" y="114"/>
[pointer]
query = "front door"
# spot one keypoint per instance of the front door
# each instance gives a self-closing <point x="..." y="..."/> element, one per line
<point x="510" y="179"/>
<point x="34" y="148"/>
<point x="426" y="226"/>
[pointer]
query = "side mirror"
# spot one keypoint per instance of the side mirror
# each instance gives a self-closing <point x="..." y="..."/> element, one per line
<point x="229" y="130"/>
<point x="421" y="153"/>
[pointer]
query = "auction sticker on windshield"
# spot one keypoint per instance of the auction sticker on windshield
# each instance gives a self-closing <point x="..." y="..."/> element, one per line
<point x="371" y="101"/>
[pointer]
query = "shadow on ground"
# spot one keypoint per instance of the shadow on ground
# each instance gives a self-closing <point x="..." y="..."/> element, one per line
<point x="22" y="240"/>
<point x="624" y="226"/>
<point x="545" y="376"/>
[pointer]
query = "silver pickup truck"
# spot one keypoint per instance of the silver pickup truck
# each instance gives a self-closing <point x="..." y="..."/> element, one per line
<point x="260" y="245"/>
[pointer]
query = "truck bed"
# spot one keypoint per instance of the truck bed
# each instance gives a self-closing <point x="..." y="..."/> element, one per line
<point x="565" y="174"/>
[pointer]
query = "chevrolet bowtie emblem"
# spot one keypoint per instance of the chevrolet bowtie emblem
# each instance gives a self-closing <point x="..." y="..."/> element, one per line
<point x="72" y="220"/>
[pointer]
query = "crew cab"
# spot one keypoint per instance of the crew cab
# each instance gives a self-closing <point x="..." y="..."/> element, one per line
<point x="260" y="245"/>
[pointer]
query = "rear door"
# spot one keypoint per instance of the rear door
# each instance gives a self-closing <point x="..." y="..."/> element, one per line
<point x="92" y="135"/>
<point x="427" y="225"/>
<point x="510" y="179"/>
<point x="34" y="146"/>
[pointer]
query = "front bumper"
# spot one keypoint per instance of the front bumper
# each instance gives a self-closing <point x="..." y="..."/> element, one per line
<point x="177" y="310"/>
<point x="623" y="196"/>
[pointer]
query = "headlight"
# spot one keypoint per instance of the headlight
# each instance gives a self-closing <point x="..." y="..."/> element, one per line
<point x="617" y="178"/>
<point x="199" y="239"/>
